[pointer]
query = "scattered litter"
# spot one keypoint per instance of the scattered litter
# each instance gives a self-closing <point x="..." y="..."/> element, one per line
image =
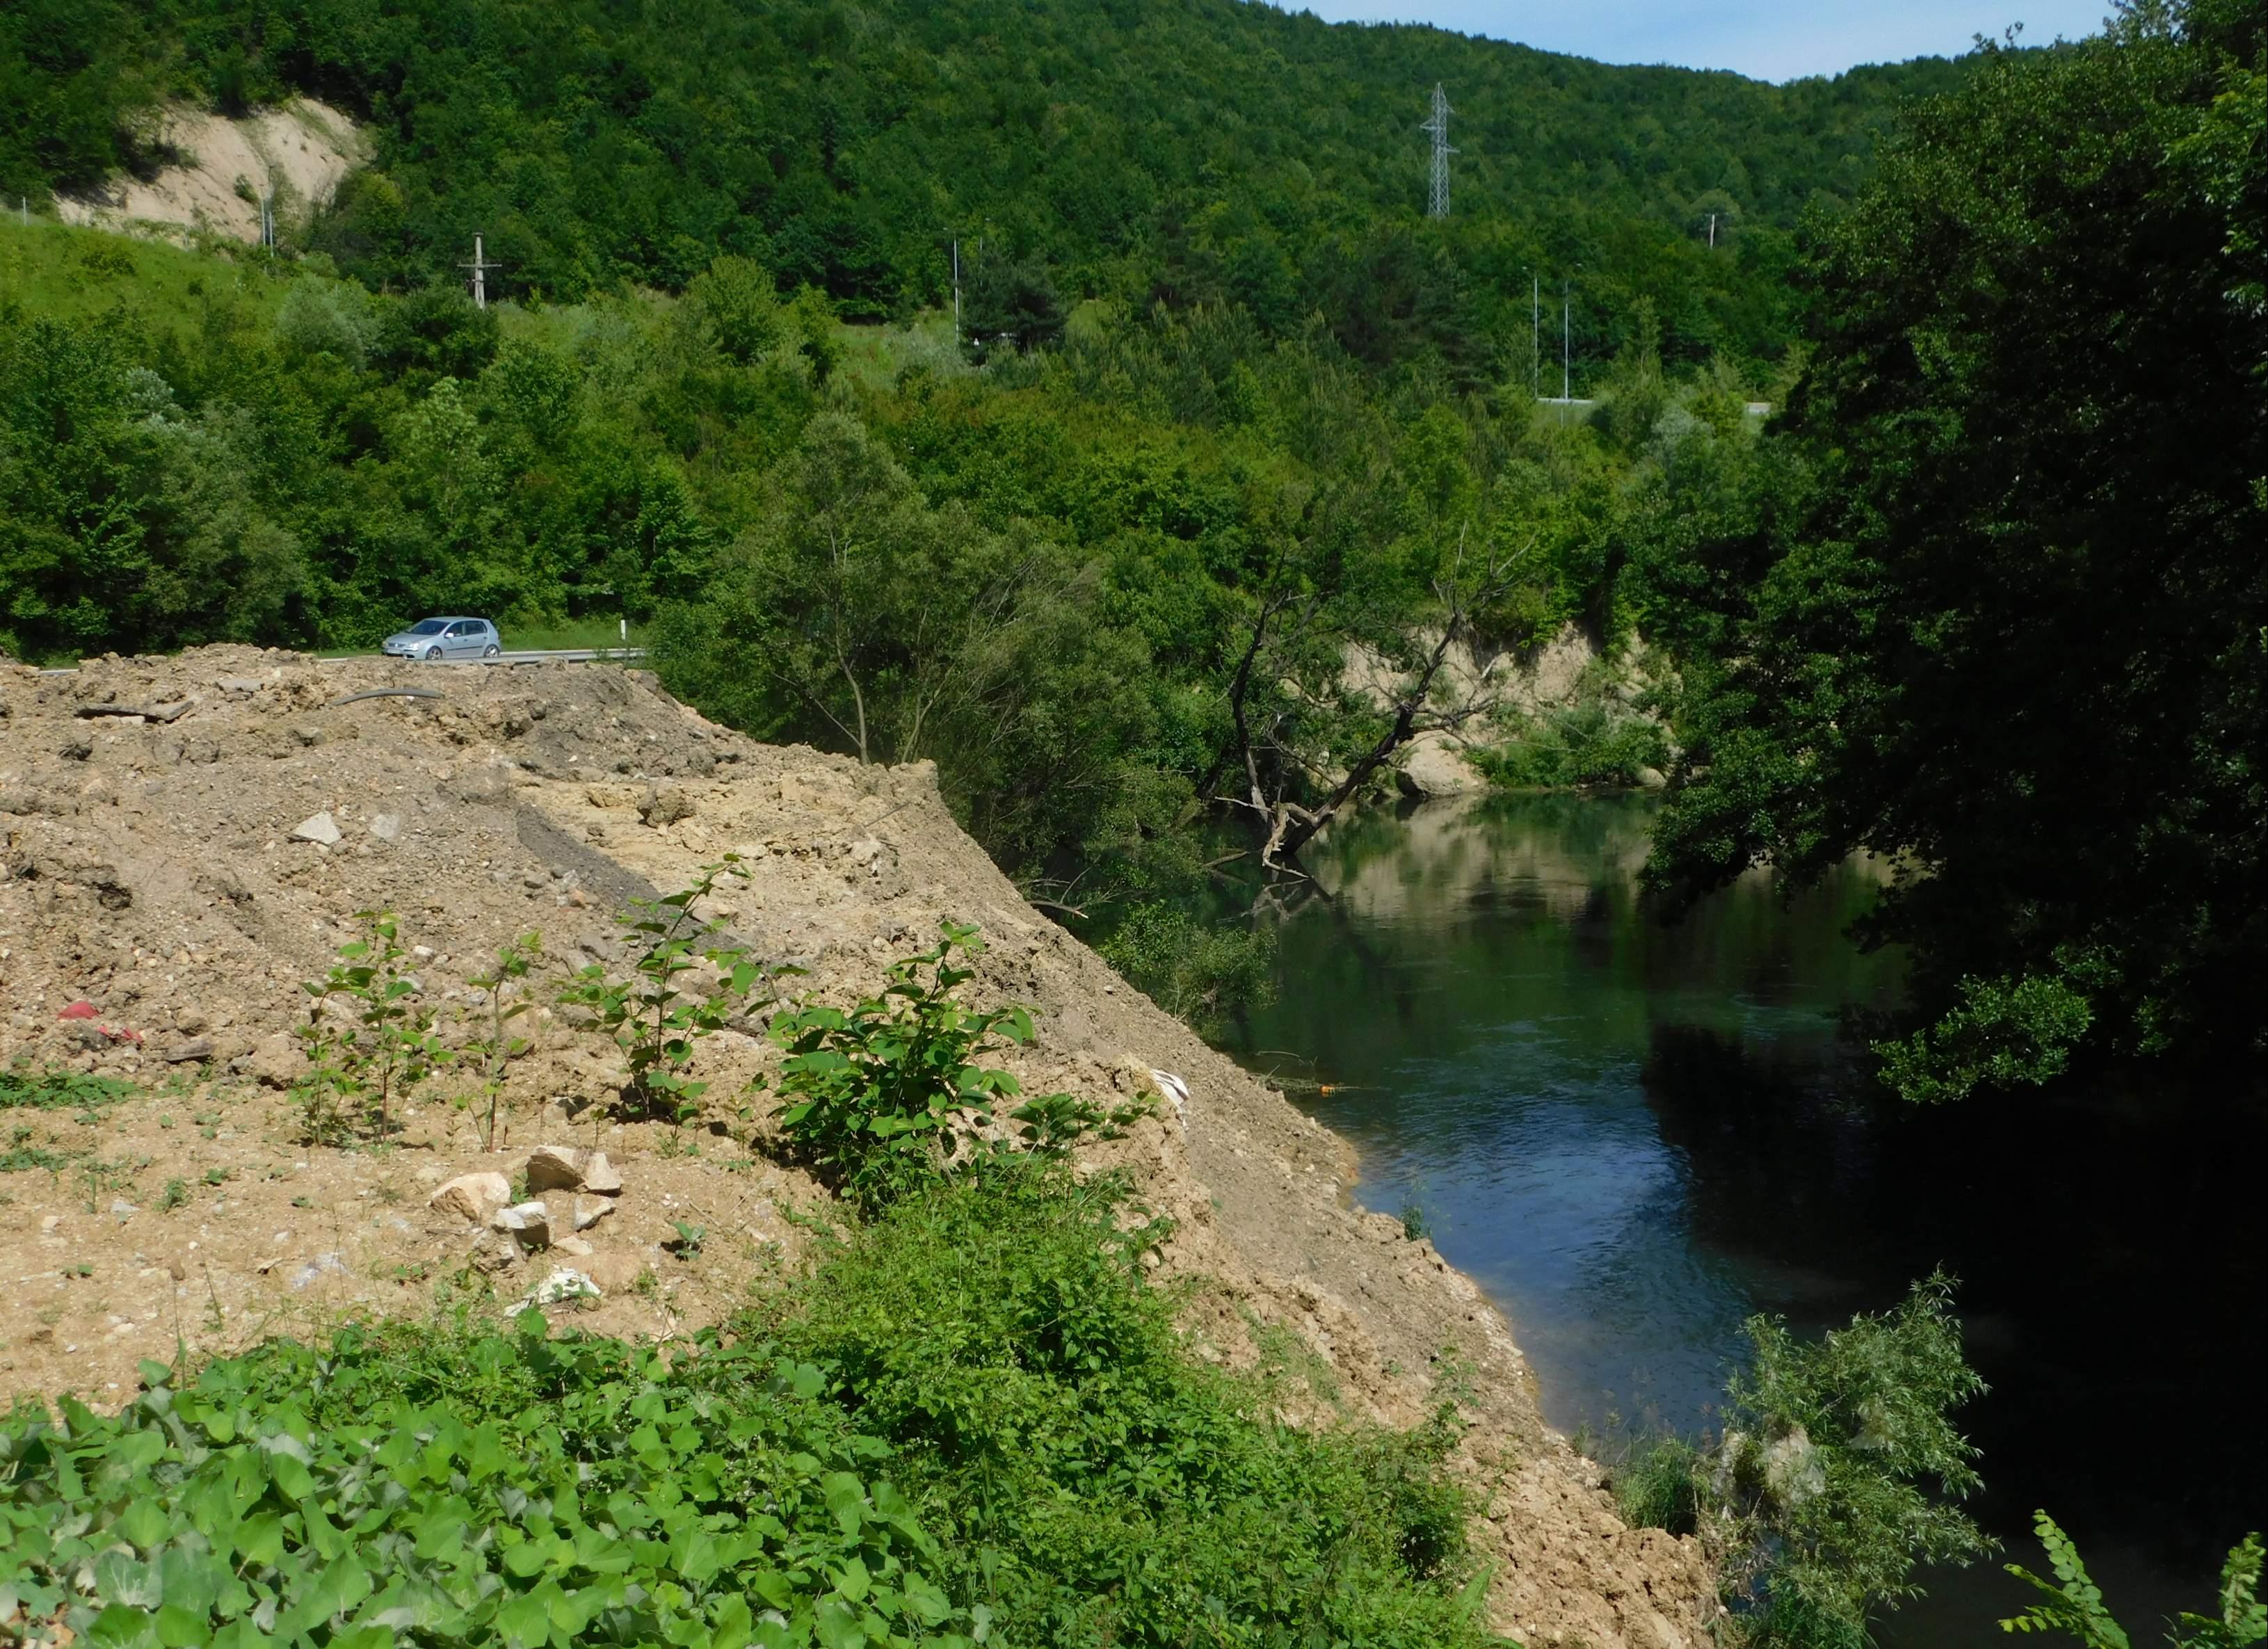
<point x="564" y="1283"/>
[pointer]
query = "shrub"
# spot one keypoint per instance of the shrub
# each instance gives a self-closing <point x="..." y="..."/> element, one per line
<point x="384" y="1048"/>
<point x="1833" y="1479"/>
<point x="1586" y="745"/>
<point x="885" y="1097"/>
<point x="464" y="1489"/>
<point x="1203" y="975"/>
<point x="1093" y="1483"/>
<point x="651" y="1016"/>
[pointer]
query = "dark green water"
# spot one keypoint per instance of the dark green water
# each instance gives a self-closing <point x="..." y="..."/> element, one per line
<point x="1634" y="1136"/>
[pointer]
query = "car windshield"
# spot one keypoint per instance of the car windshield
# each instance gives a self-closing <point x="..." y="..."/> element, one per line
<point x="427" y="627"/>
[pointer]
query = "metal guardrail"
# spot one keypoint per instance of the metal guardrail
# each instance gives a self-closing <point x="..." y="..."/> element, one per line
<point x="547" y="655"/>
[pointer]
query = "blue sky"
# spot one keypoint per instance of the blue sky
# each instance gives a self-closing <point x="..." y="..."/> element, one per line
<point x="1771" y="39"/>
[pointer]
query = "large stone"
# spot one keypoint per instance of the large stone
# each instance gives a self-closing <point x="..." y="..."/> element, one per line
<point x="1434" y="764"/>
<point x="557" y="1168"/>
<point x="589" y="1211"/>
<point x="182" y="1052"/>
<point x="276" y="1062"/>
<point x="473" y="1197"/>
<point x="530" y="1222"/>
<point x="322" y="828"/>
<point x="665" y="804"/>
<point x="599" y="1176"/>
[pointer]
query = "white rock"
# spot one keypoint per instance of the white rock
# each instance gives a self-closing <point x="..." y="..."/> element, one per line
<point x="557" y="1168"/>
<point x="1434" y="764"/>
<point x="321" y="829"/>
<point x="472" y="1196"/>
<point x="530" y="1222"/>
<point x="589" y="1211"/>
<point x="599" y="1176"/>
<point x="387" y="827"/>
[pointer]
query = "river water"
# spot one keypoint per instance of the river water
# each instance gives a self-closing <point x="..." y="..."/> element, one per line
<point x="1633" y="1137"/>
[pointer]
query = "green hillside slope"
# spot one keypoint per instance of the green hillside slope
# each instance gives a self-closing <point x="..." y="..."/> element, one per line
<point x="1198" y="150"/>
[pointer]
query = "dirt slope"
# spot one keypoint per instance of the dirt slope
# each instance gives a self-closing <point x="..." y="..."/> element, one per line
<point x="151" y="872"/>
<point x="297" y="154"/>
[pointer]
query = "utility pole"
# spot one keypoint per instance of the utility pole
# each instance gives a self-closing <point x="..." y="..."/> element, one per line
<point x="1535" y="332"/>
<point x="1438" y="206"/>
<point x="480" y="266"/>
<point x="1712" y="231"/>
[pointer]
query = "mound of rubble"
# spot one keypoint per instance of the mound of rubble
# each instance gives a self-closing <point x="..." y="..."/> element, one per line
<point x="185" y="842"/>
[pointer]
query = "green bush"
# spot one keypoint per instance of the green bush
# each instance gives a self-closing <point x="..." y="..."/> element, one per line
<point x="1834" y="1478"/>
<point x="1092" y="1483"/>
<point x="463" y="1489"/>
<point x="1586" y="745"/>
<point x="1203" y="975"/>
<point x="882" y="1100"/>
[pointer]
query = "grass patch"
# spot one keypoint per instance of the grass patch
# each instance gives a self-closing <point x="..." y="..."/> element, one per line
<point x="23" y="1088"/>
<point x="22" y="1156"/>
<point x="53" y="271"/>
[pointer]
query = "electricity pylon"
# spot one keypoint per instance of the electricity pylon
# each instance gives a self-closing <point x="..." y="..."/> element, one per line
<point x="1439" y="125"/>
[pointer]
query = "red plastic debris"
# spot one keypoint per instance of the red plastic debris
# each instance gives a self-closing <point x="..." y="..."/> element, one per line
<point x="80" y="1010"/>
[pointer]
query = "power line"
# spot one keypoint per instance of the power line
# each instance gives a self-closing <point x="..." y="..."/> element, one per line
<point x="1439" y="125"/>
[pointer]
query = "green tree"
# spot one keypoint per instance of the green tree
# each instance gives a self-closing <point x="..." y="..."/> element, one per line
<point x="2004" y="617"/>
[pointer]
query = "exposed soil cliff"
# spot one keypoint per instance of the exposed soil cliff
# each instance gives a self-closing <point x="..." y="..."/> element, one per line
<point x="152" y="873"/>
<point x="295" y="155"/>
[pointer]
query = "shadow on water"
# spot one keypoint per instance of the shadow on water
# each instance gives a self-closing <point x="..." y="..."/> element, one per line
<point x="1635" y="1136"/>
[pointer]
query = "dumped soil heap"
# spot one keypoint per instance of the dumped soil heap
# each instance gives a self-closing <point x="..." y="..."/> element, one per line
<point x="189" y="840"/>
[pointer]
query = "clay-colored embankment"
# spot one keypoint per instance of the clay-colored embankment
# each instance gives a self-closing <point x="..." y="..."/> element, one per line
<point x="295" y="155"/>
<point x="152" y="873"/>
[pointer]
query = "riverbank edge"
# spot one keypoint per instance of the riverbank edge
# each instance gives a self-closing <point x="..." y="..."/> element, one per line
<point x="166" y="871"/>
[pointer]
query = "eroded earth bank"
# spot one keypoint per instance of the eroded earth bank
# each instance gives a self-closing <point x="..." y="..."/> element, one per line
<point x="161" y="904"/>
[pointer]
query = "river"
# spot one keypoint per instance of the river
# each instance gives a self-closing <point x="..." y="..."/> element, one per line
<point x="1634" y="1136"/>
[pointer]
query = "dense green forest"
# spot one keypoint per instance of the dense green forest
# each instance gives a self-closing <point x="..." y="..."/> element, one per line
<point x="1202" y="151"/>
<point x="1230" y="406"/>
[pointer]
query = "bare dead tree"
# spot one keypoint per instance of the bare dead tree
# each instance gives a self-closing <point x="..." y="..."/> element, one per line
<point x="1273" y="765"/>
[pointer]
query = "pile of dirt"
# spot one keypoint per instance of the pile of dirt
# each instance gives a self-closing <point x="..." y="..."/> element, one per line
<point x="184" y="841"/>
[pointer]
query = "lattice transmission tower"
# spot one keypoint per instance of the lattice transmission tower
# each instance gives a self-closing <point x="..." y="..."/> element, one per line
<point x="1438" y="206"/>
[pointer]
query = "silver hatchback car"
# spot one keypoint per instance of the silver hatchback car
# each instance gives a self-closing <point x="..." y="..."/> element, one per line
<point x="440" y="638"/>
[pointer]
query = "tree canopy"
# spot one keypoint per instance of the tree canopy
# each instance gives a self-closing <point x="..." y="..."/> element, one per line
<point x="1995" y="606"/>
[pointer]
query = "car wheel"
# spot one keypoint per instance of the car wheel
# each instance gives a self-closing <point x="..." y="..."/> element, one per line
<point x="491" y="651"/>
<point x="432" y="655"/>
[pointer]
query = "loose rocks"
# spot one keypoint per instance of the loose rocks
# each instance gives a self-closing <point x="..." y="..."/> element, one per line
<point x="321" y="829"/>
<point x="530" y="1222"/>
<point x="557" y="1168"/>
<point x="473" y="1197"/>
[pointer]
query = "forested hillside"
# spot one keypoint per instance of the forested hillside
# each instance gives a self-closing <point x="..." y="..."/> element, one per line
<point x="1201" y="150"/>
<point x="1227" y="405"/>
